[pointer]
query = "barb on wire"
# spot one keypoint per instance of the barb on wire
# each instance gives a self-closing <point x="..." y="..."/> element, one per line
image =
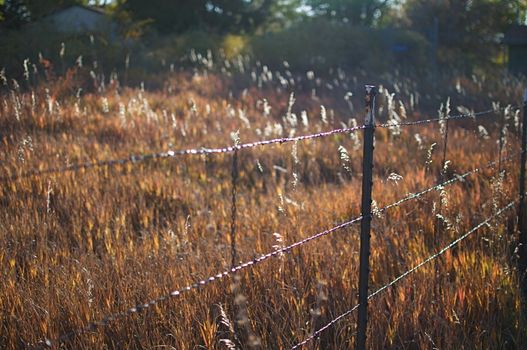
<point x="407" y="273"/>
<point x="175" y="153"/>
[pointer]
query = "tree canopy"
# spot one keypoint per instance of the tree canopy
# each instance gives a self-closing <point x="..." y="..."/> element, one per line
<point x="357" y="12"/>
<point x="468" y="28"/>
<point x="216" y="15"/>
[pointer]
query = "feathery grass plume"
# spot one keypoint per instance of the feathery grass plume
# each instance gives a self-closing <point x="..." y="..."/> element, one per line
<point x="290" y="118"/>
<point x="296" y="162"/>
<point x="229" y="344"/>
<point x="466" y="111"/>
<point x="496" y="106"/>
<point x="314" y="95"/>
<point x="305" y="120"/>
<point x="393" y="117"/>
<point x="375" y="210"/>
<point x="323" y="114"/>
<point x="278" y="129"/>
<point x="517" y="119"/>
<point x="25" y="146"/>
<point x="3" y="77"/>
<point x="35" y="69"/>
<point x="89" y="290"/>
<point x="16" y="85"/>
<point x="259" y="166"/>
<point x="347" y="98"/>
<point x="281" y="204"/>
<point x="235" y="137"/>
<point x="17" y="105"/>
<point x="429" y="154"/>
<point x="402" y="110"/>
<point x="483" y="133"/>
<point x="242" y="315"/>
<point x="279" y="242"/>
<point x="193" y="107"/>
<point x="458" y="86"/>
<point x="26" y="69"/>
<point x="225" y="330"/>
<point x="344" y="158"/>
<point x="443" y="194"/>
<point x="354" y="136"/>
<point x="49" y="194"/>
<point x="395" y="178"/>
<point x="33" y="103"/>
<point x="444" y="113"/>
<point x="105" y="105"/>
<point x="497" y="187"/>
<point x="122" y="113"/>
<point x="243" y="118"/>
<point x="321" y="298"/>
<point x="419" y="140"/>
<point x="62" y="51"/>
<point x="266" y="108"/>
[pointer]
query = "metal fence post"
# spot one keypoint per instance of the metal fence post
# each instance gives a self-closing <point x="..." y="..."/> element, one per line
<point x="522" y="241"/>
<point x="234" y="179"/>
<point x="367" y="182"/>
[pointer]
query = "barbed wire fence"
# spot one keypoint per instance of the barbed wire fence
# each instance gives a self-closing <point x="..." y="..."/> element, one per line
<point x="364" y="219"/>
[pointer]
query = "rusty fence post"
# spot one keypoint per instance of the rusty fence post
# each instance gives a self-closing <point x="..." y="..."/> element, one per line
<point x="367" y="183"/>
<point x="234" y="192"/>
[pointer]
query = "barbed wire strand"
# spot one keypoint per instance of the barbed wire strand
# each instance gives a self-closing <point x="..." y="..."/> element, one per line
<point x="199" y="284"/>
<point x="176" y="153"/>
<point x="407" y="273"/>
<point x="447" y="118"/>
<point x="229" y="149"/>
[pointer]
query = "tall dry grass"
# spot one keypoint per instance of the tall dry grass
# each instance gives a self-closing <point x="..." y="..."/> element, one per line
<point x="79" y="246"/>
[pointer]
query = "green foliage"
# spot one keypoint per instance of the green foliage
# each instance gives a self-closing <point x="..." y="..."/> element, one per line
<point x="357" y="12"/>
<point x="467" y="30"/>
<point x="321" y="44"/>
<point x="214" y="15"/>
<point x="13" y="14"/>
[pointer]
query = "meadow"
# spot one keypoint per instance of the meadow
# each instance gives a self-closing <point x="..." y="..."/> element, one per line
<point x="80" y="245"/>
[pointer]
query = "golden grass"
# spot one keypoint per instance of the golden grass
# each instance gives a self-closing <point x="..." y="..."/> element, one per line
<point x="79" y="246"/>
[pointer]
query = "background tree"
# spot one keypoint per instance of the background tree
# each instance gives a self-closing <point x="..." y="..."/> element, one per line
<point x="466" y="32"/>
<point x="13" y="14"/>
<point x="216" y="15"/>
<point x="357" y="12"/>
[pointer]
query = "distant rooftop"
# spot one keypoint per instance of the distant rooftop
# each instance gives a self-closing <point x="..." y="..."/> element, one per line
<point x="516" y="35"/>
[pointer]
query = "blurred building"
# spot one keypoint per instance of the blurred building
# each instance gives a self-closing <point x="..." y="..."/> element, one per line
<point x="516" y="41"/>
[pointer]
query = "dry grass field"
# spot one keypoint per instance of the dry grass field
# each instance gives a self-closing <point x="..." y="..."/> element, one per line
<point x="78" y="246"/>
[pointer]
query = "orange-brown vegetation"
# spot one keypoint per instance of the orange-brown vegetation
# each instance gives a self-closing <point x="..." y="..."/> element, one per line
<point x="77" y="246"/>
